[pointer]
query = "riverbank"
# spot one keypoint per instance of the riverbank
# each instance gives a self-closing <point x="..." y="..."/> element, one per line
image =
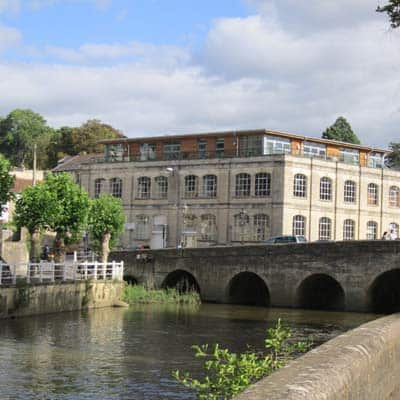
<point x="137" y="294"/>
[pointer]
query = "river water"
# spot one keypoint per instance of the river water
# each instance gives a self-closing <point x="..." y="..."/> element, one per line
<point x="130" y="353"/>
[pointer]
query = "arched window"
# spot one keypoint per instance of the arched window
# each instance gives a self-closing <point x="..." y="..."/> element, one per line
<point x="261" y="227"/>
<point x="394" y="196"/>
<point x="325" y="188"/>
<point x="209" y="186"/>
<point x="144" y="187"/>
<point x="116" y="187"/>
<point x="191" y="186"/>
<point x="142" y="229"/>
<point x="349" y="192"/>
<point x="262" y="185"/>
<point x="299" y="225"/>
<point x="324" y="229"/>
<point x="241" y="227"/>
<point x="99" y="187"/>
<point x="372" y="194"/>
<point x="348" y="229"/>
<point x="372" y="230"/>
<point x="243" y="184"/>
<point x="208" y="229"/>
<point x="161" y="186"/>
<point x="300" y="185"/>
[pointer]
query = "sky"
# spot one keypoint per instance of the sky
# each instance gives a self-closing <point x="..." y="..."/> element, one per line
<point x="163" y="67"/>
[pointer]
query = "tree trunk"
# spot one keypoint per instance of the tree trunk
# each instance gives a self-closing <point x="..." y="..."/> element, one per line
<point x="59" y="249"/>
<point x="34" y="253"/>
<point x="105" y="247"/>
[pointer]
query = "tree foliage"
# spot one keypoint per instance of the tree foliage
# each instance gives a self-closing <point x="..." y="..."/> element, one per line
<point x="83" y="139"/>
<point x="393" y="159"/>
<point x="19" y="132"/>
<point x="6" y="180"/>
<point x="227" y="374"/>
<point x="341" y="131"/>
<point x="106" y="223"/>
<point x="392" y="9"/>
<point x="36" y="210"/>
<point x="73" y="203"/>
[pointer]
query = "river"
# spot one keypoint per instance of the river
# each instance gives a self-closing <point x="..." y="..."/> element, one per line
<point x="130" y="353"/>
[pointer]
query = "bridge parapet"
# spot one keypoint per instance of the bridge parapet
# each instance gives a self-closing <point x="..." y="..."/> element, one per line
<point x="351" y="275"/>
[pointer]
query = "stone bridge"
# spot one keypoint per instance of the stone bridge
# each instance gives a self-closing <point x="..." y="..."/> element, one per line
<point x="353" y="275"/>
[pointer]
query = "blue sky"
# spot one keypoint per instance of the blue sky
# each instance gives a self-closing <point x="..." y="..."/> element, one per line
<point x="180" y="66"/>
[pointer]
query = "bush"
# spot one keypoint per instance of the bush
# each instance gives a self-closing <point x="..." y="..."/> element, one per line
<point x="227" y="374"/>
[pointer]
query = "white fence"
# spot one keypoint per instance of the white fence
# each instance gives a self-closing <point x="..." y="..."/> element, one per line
<point x="46" y="272"/>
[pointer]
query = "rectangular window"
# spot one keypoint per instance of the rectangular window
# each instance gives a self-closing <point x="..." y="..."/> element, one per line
<point x="147" y="151"/>
<point x="202" y="148"/>
<point x="349" y="156"/>
<point x="171" y="151"/>
<point x="312" y="149"/>
<point x="220" y="147"/>
<point x="375" y="160"/>
<point x="250" y="146"/>
<point x="276" y="145"/>
<point x="114" y="152"/>
<point x="262" y="185"/>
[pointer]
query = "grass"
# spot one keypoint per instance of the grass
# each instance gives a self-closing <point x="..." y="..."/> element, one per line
<point x="138" y="294"/>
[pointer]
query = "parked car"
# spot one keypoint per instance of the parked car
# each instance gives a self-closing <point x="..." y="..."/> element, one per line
<point x="286" y="239"/>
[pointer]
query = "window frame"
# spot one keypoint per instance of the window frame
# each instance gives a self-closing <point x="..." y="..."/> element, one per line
<point x="300" y="185"/>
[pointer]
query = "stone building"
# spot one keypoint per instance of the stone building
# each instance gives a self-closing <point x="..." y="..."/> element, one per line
<point x="242" y="187"/>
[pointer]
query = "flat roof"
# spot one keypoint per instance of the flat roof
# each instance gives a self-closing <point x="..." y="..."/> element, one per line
<point x="241" y="133"/>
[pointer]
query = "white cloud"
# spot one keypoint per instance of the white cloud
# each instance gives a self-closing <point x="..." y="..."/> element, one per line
<point x="9" y="37"/>
<point x="253" y="72"/>
<point x="10" y="6"/>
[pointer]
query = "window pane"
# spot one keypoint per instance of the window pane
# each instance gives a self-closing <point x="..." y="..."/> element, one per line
<point x="262" y="184"/>
<point x="299" y="225"/>
<point x="349" y="192"/>
<point x="325" y="189"/>
<point x="300" y="185"/>
<point x="324" y="229"/>
<point x="242" y="185"/>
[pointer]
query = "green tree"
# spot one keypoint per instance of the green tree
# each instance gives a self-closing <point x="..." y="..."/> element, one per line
<point x="73" y="208"/>
<point x="36" y="209"/>
<point x="19" y="132"/>
<point x="341" y="131"/>
<point x="106" y="223"/>
<point x="393" y="159"/>
<point x="6" y="180"/>
<point x="84" y="139"/>
<point x="392" y="9"/>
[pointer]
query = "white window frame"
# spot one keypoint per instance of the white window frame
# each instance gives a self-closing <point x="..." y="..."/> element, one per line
<point x="372" y="230"/>
<point x="372" y="194"/>
<point x="325" y="228"/>
<point x="300" y="185"/>
<point x="299" y="225"/>
<point x="261" y="227"/>
<point x="210" y="186"/>
<point x="161" y="186"/>
<point x="143" y="187"/>
<point x="262" y="184"/>
<point x="349" y="229"/>
<point x="243" y="185"/>
<point x="191" y="186"/>
<point x="116" y="187"/>
<point x="349" y="192"/>
<point x="394" y="196"/>
<point x="325" y="189"/>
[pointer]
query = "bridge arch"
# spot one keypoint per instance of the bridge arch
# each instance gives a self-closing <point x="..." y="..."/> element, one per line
<point x="181" y="280"/>
<point x="384" y="292"/>
<point x="247" y="288"/>
<point x="320" y="292"/>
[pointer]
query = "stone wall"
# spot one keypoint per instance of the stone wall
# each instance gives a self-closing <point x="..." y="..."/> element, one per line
<point x="363" y="364"/>
<point x="355" y="267"/>
<point x="25" y="300"/>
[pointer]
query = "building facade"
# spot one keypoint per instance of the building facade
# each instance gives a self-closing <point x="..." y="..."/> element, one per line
<point x="242" y="187"/>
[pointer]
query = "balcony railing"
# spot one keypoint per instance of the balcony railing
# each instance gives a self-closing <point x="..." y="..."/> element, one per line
<point x="226" y="154"/>
<point x="49" y="272"/>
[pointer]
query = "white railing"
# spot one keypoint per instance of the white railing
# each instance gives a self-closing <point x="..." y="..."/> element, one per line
<point x="49" y="271"/>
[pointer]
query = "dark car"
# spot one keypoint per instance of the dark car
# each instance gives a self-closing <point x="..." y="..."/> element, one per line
<point x="286" y="239"/>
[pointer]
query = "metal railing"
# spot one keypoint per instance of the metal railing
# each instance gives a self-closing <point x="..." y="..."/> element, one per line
<point x="48" y="272"/>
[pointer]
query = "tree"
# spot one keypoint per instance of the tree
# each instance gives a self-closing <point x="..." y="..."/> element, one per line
<point x="341" y="131"/>
<point x="73" y="203"/>
<point x="393" y="159"/>
<point x="393" y="11"/>
<point x="106" y="223"/>
<point x="36" y="209"/>
<point x="19" y="132"/>
<point x="84" y="139"/>
<point x="6" y="180"/>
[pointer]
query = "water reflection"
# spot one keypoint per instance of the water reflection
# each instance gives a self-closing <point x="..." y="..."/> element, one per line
<point x="130" y="354"/>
